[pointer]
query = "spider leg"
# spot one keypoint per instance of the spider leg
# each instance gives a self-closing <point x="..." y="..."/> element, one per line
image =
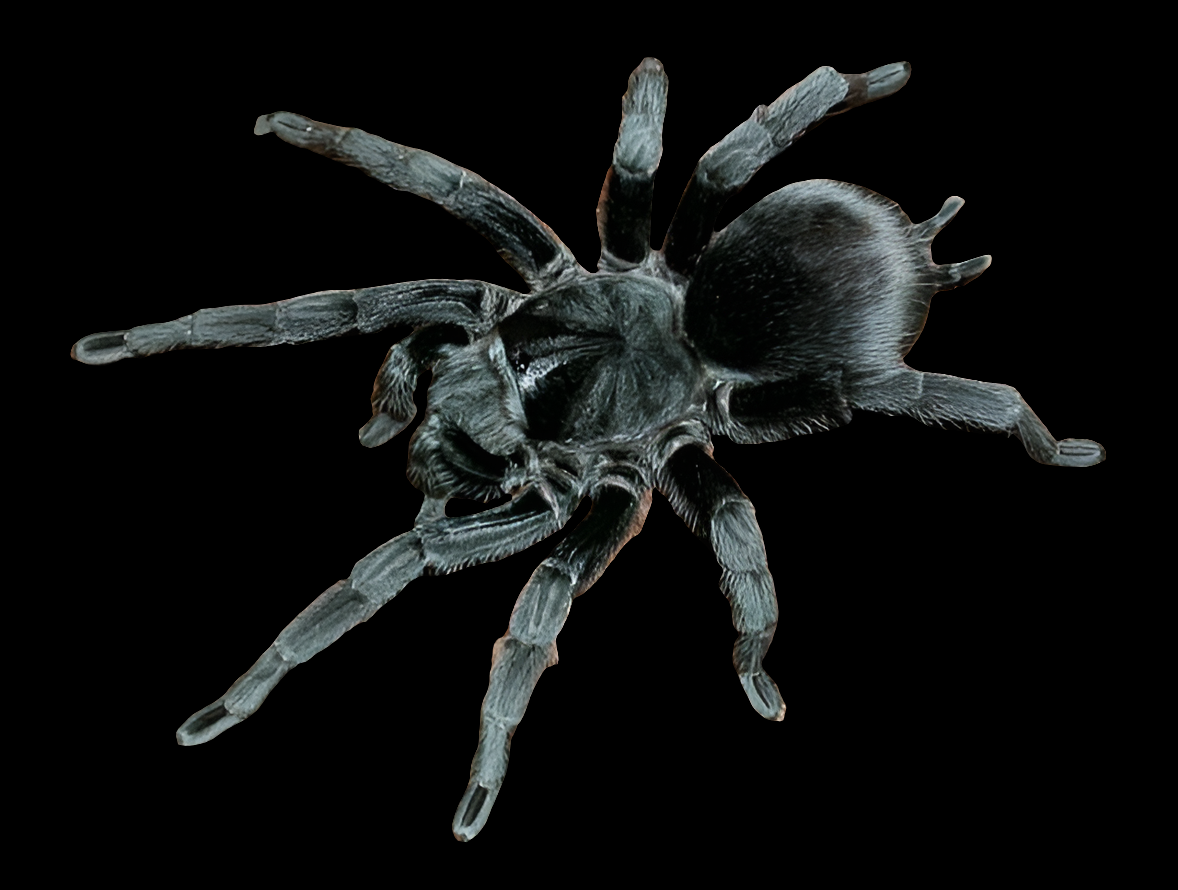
<point x="474" y="305"/>
<point x="528" y="246"/>
<point x="714" y="507"/>
<point x="392" y="393"/>
<point x="933" y="398"/>
<point x="623" y="211"/>
<point x="729" y="164"/>
<point x="769" y="412"/>
<point x="529" y="646"/>
<point x="442" y="544"/>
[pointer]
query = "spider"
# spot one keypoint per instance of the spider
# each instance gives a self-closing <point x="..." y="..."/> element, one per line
<point x="609" y="384"/>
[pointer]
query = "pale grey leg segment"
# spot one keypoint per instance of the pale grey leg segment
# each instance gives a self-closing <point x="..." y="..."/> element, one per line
<point x="878" y="83"/>
<point x="474" y="305"/>
<point x="529" y="646"/>
<point x="442" y="545"/>
<point x="528" y="246"/>
<point x="333" y="613"/>
<point x="623" y="210"/>
<point x="729" y="165"/>
<point x="745" y="580"/>
<point x="714" y="507"/>
<point x="936" y="398"/>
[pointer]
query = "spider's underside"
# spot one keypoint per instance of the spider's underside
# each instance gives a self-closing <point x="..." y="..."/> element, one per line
<point x="610" y="384"/>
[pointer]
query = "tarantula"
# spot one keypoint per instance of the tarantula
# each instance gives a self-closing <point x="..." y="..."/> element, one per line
<point x="611" y="383"/>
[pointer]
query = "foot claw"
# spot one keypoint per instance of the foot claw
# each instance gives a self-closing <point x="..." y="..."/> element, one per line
<point x="887" y="79"/>
<point x="473" y="810"/>
<point x="299" y="130"/>
<point x="206" y="724"/>
<point x="764" y="695"/>
<point x="1079" y="453"/>
<point x="875" y="84"/>
<point x="101" y="349"/>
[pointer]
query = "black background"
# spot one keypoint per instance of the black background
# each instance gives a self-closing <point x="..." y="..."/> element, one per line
<point x="945" y="601"/>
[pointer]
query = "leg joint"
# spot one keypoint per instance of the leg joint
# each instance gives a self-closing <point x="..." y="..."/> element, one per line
<point x="543" y="607"/>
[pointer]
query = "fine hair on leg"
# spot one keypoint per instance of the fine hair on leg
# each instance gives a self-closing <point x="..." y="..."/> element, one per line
<point x="938" y="398"/>
<point x="443" y="545"/>
<point x="731" y="163"/>
<point x="529" y="646"/>
<point x="474" y="305"/>
<point x="623" y="210"/>
<point x="713" y="506"/>
<point x="526" y="244"/>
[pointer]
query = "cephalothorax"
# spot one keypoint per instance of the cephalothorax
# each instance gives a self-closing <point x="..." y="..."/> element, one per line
<point x="610" y="384"/>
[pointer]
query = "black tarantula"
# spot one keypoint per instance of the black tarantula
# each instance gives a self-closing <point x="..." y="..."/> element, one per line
<point x="611" y="383"/>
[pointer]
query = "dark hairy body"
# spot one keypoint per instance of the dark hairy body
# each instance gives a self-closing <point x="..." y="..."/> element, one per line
<point x="609" y="384"/>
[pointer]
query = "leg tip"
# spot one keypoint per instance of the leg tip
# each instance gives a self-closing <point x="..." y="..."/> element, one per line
<point x="299" y="130"/>
<point x="473" y="810"/>
<point x="1079" y="453"/>
<point x="206" y="724"/>
<point x="887" y="79"/>
<point x="764" y="695"/>
<point x="101" y="349"/>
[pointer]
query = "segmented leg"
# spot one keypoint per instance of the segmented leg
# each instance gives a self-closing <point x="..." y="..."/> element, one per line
<point x="623" y="211"/>
<point x="528" y="246"/>
<point x="520" y="656"/>
<point x="934" y="398"/>
<point x="392" y="394"/>
<point x="729" y="165"/>
<point x="769" y="412"/>
<point x="475" y="305"/>
<point x="442" y="544"/>
<point x="714" y="507"/>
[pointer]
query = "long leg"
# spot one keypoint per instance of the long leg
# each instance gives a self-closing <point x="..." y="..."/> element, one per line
<point x="714" y="507"/>
<point x="729" y="165"/>
<point x="623" y="211"/>
<point x="443" y="545"/>
<point x="475" y="305"/>
<point x="529" y="646"/>
<point x="528" y="246"/>
<point x="933" y="398"/>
